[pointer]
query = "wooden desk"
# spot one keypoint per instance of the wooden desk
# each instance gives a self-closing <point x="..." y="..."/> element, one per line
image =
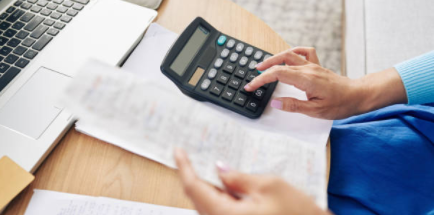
<point x="83" y="165"/>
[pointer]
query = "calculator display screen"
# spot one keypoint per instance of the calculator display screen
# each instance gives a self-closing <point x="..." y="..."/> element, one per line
<point x="190" y="50"/>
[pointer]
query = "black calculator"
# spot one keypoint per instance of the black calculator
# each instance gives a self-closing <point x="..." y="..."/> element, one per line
<point x="208" y="65"/>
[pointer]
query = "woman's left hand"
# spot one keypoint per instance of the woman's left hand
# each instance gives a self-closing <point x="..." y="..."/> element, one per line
<point x="260" y="194"/>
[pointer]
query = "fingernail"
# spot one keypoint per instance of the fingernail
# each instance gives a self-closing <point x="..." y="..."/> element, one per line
<point x="247" y="87"/>
<point x="276" y="104"/>
<point x="258" y="65"/>
<point x="222" y="167"/>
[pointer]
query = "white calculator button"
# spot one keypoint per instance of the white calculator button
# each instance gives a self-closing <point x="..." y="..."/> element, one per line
<point x="225" y="53"/>
<point x="243" y="61"/>
<point x="267" y="56"/>
<point x="258" y="55"/>
<point x="240" y="47"/>
<point x="249" y="51"/>
<point x="212" y="73"/>
<point x="205" y="84"/>
<point x="218" y="63"/>
<point x="252" y="65"/>
<point x="234" y="57"/>
<point x="230" y="44"/>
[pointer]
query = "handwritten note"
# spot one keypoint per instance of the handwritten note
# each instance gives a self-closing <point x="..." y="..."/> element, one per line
<point x="151" y="120"/>
<point x="57" y="203"/>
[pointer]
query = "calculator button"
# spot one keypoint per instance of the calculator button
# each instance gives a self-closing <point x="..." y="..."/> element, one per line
<point x="243" y="61"/>
<point x="205" y="84"/>
<point x="258" y="55"/>
<point x="228" y="94"/>
<point x="267" y="56"/>
<point x="249" y="51"/>
<point x="218" y="63"/>
<point x="234" y="83"/>
<point x="229" y="68"/>
<point x="241" y="73"/>
<point x="212" y="73"/>
<point x="223" y="78"/>
<point x="259" y="93"/>
<point x="252" y="65"/>
<point x="217" y="89"/>
<point x="240" y="99"/>
<point x="234" y="57"/>
<point x="243" y="90"/>
<point x="251" y="76"/>
<point x="240" y="47"/>
<point x="221" y="40"/>
<point x="230" y="44"/>
<point x="225" y="53"/>
<point x="265" y="86"/>
<point x="252" y="105"/>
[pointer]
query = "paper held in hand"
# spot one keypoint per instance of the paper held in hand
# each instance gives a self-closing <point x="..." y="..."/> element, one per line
<point x="150" y="120"/>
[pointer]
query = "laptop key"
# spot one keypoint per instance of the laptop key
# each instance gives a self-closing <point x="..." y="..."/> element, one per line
<point x="26" y="5"/>
<point x="41" y="43"/>
<point x="9" y="33"/>
<point x="72" y="12"/>
<point x="27" y="17"/>
<point x="30" y="54"/>
<point x="32" y="1"/>
<point x="10" y="9"/>
<point x="65" y="18"/>
<point x="8" y="76"/>
<point x="4" y="25"/>
<point x="67" y="4"/>
<point x="53" y="32"/>
<point x="14" y="42"/>
<point x="22" y="34"/>
<point x="34" y="23"/>
<point x="18" y="25"/>
<point x="81" y="1"/>
<point x="58" y="1"/>
<point x="11" y="59"/>
<point x="28" y="42"/>
<point x="46" y="12"/>
<point x="15" y="16"/>
<point x="62" y="9"/>
<point x="55" y="15"/>
<point x="3" y="67"/>
<point x="3" y="16"/>
<point x="18" y="3"/>
<point x="42" y="3"/>
<point x="36" y="9"/>
<point x="49" y="22"/>
<point x="39" y="31"/>
<point x="59" y="25"/>
<point x="52" y="6"/>
<point x="3" y="40"/>
<point x="77" y="6"/>
<point x="5" y="51"/>
<point x="20" y="50"/>
<point x="21" y="63"/>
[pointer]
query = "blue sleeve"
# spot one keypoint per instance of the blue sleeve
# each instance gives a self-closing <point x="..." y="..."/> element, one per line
<point x="417" y="75"/>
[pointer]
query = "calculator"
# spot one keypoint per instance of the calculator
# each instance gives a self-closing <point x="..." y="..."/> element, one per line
<point x="208" y="65"/>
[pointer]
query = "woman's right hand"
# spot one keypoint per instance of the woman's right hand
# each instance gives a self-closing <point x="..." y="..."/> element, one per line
<point x="329" y="95"/>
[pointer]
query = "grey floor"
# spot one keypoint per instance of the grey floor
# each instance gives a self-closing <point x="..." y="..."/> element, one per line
<point x="315" y="23"/>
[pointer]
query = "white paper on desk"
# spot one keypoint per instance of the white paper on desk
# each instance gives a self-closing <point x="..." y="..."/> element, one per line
<point x="146" y="59"/>
<point x="56" y="203"/>
<point x="150" y="120"/>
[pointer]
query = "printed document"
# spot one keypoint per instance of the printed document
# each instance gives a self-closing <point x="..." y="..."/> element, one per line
<point x="149" y="119"/>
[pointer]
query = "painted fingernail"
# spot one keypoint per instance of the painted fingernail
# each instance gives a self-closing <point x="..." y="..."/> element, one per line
<point x="247" y="87"/>
<point x="222" y="167"/>
<point x="276" y="104"/>
<point x="258" y="65"/>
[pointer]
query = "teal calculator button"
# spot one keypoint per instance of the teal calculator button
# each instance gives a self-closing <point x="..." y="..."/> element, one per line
<point x="221" y="40"/>
<point x="260" y="72"/>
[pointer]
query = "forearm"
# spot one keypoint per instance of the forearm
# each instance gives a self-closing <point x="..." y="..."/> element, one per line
<point x="379" y="90"/>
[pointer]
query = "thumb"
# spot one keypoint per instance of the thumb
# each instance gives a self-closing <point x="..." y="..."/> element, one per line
<point x="292" y="105"/>
<point x="235" y="181"/>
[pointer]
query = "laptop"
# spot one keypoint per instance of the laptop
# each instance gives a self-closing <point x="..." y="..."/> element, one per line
<point x="42" y="45"/>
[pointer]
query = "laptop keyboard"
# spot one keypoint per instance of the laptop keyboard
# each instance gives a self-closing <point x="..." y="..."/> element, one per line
<point x="27" y="27"/>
